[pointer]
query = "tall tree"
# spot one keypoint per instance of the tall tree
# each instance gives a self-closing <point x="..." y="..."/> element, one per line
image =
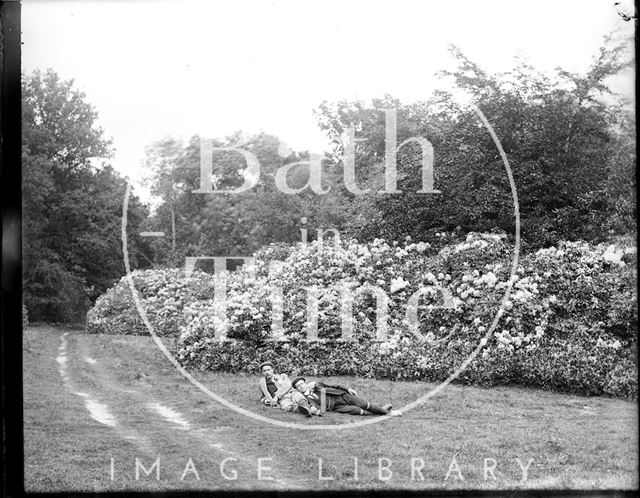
<point x="224" y="224"/>
<point x="568" y="139"/>
<point x="72" y="202"/>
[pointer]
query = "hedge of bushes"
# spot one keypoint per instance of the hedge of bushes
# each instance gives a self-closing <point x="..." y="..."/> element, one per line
<point x="556" y="364"/>
<point x="164" y="294"/>
<point x="570" y="322"/>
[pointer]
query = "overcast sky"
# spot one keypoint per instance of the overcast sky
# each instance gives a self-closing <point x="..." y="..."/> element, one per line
<point x="157" y="68"/>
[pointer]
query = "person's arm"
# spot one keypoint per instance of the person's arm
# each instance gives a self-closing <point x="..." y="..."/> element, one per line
<point x="337" y="386"/>
<point x="267" y="399"/>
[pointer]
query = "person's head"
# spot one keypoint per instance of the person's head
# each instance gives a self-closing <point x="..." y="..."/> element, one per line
<point x="267" y="369"/>
<point x="300" y="383"/>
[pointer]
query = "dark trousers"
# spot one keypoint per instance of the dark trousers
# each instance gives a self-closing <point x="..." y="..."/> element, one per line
<point x="353" y="405"/>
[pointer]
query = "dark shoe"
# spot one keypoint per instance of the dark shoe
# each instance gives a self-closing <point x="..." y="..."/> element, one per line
<point x="304" y="410"/>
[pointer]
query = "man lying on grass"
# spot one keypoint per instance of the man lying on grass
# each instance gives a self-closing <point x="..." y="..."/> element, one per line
<point x="339" y="399"/>
<point x="276" y="390"/>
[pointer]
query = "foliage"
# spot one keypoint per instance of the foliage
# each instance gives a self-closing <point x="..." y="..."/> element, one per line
<point x="561" y="365"/>
<point x="72" y="202"/>
<point x="230" y="223"/>
<point x="569" y="141"/>
<point x="163" y="295"/>
<point x="573" y="305"/>
<point x="596" y="289"/>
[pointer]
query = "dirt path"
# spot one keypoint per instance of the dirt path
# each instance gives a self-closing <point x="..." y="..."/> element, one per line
<point x="162" y="418"/>
<point x="138" y="419"/>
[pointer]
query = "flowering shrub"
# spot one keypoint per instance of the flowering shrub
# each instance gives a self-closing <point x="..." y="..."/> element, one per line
<point x="162" y="293"/>
<point x="586" y="284"/>
<point x="336" y="270"/>
<point x="559" y="365"/>
<point x="569" y="322"/>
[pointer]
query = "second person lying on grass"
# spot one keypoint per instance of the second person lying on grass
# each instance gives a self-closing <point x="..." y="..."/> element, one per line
<point x="339" y="399"/>
<point x="276" y="390"/>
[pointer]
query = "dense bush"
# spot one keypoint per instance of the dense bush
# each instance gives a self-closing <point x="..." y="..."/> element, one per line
<point x="462" y="269"/>
<point x="569" y="322"/>
<point x="571" y="145"/>
<point x="162" y="293"/>
<point x="603" y="368"/>
<point x="594" y="287"/>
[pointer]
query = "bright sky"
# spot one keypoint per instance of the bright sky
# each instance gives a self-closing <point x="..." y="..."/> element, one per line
<point x="155" y="68"/>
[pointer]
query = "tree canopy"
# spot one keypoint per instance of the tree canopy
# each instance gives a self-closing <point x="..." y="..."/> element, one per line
<point x="72" y="202"/>
<point x="569" y="142"/>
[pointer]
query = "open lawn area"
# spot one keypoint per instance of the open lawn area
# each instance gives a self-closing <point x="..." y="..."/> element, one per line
<point x="93" y="404"/>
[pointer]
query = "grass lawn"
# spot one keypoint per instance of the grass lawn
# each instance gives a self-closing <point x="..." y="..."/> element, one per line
<point x="93" y="404"/>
